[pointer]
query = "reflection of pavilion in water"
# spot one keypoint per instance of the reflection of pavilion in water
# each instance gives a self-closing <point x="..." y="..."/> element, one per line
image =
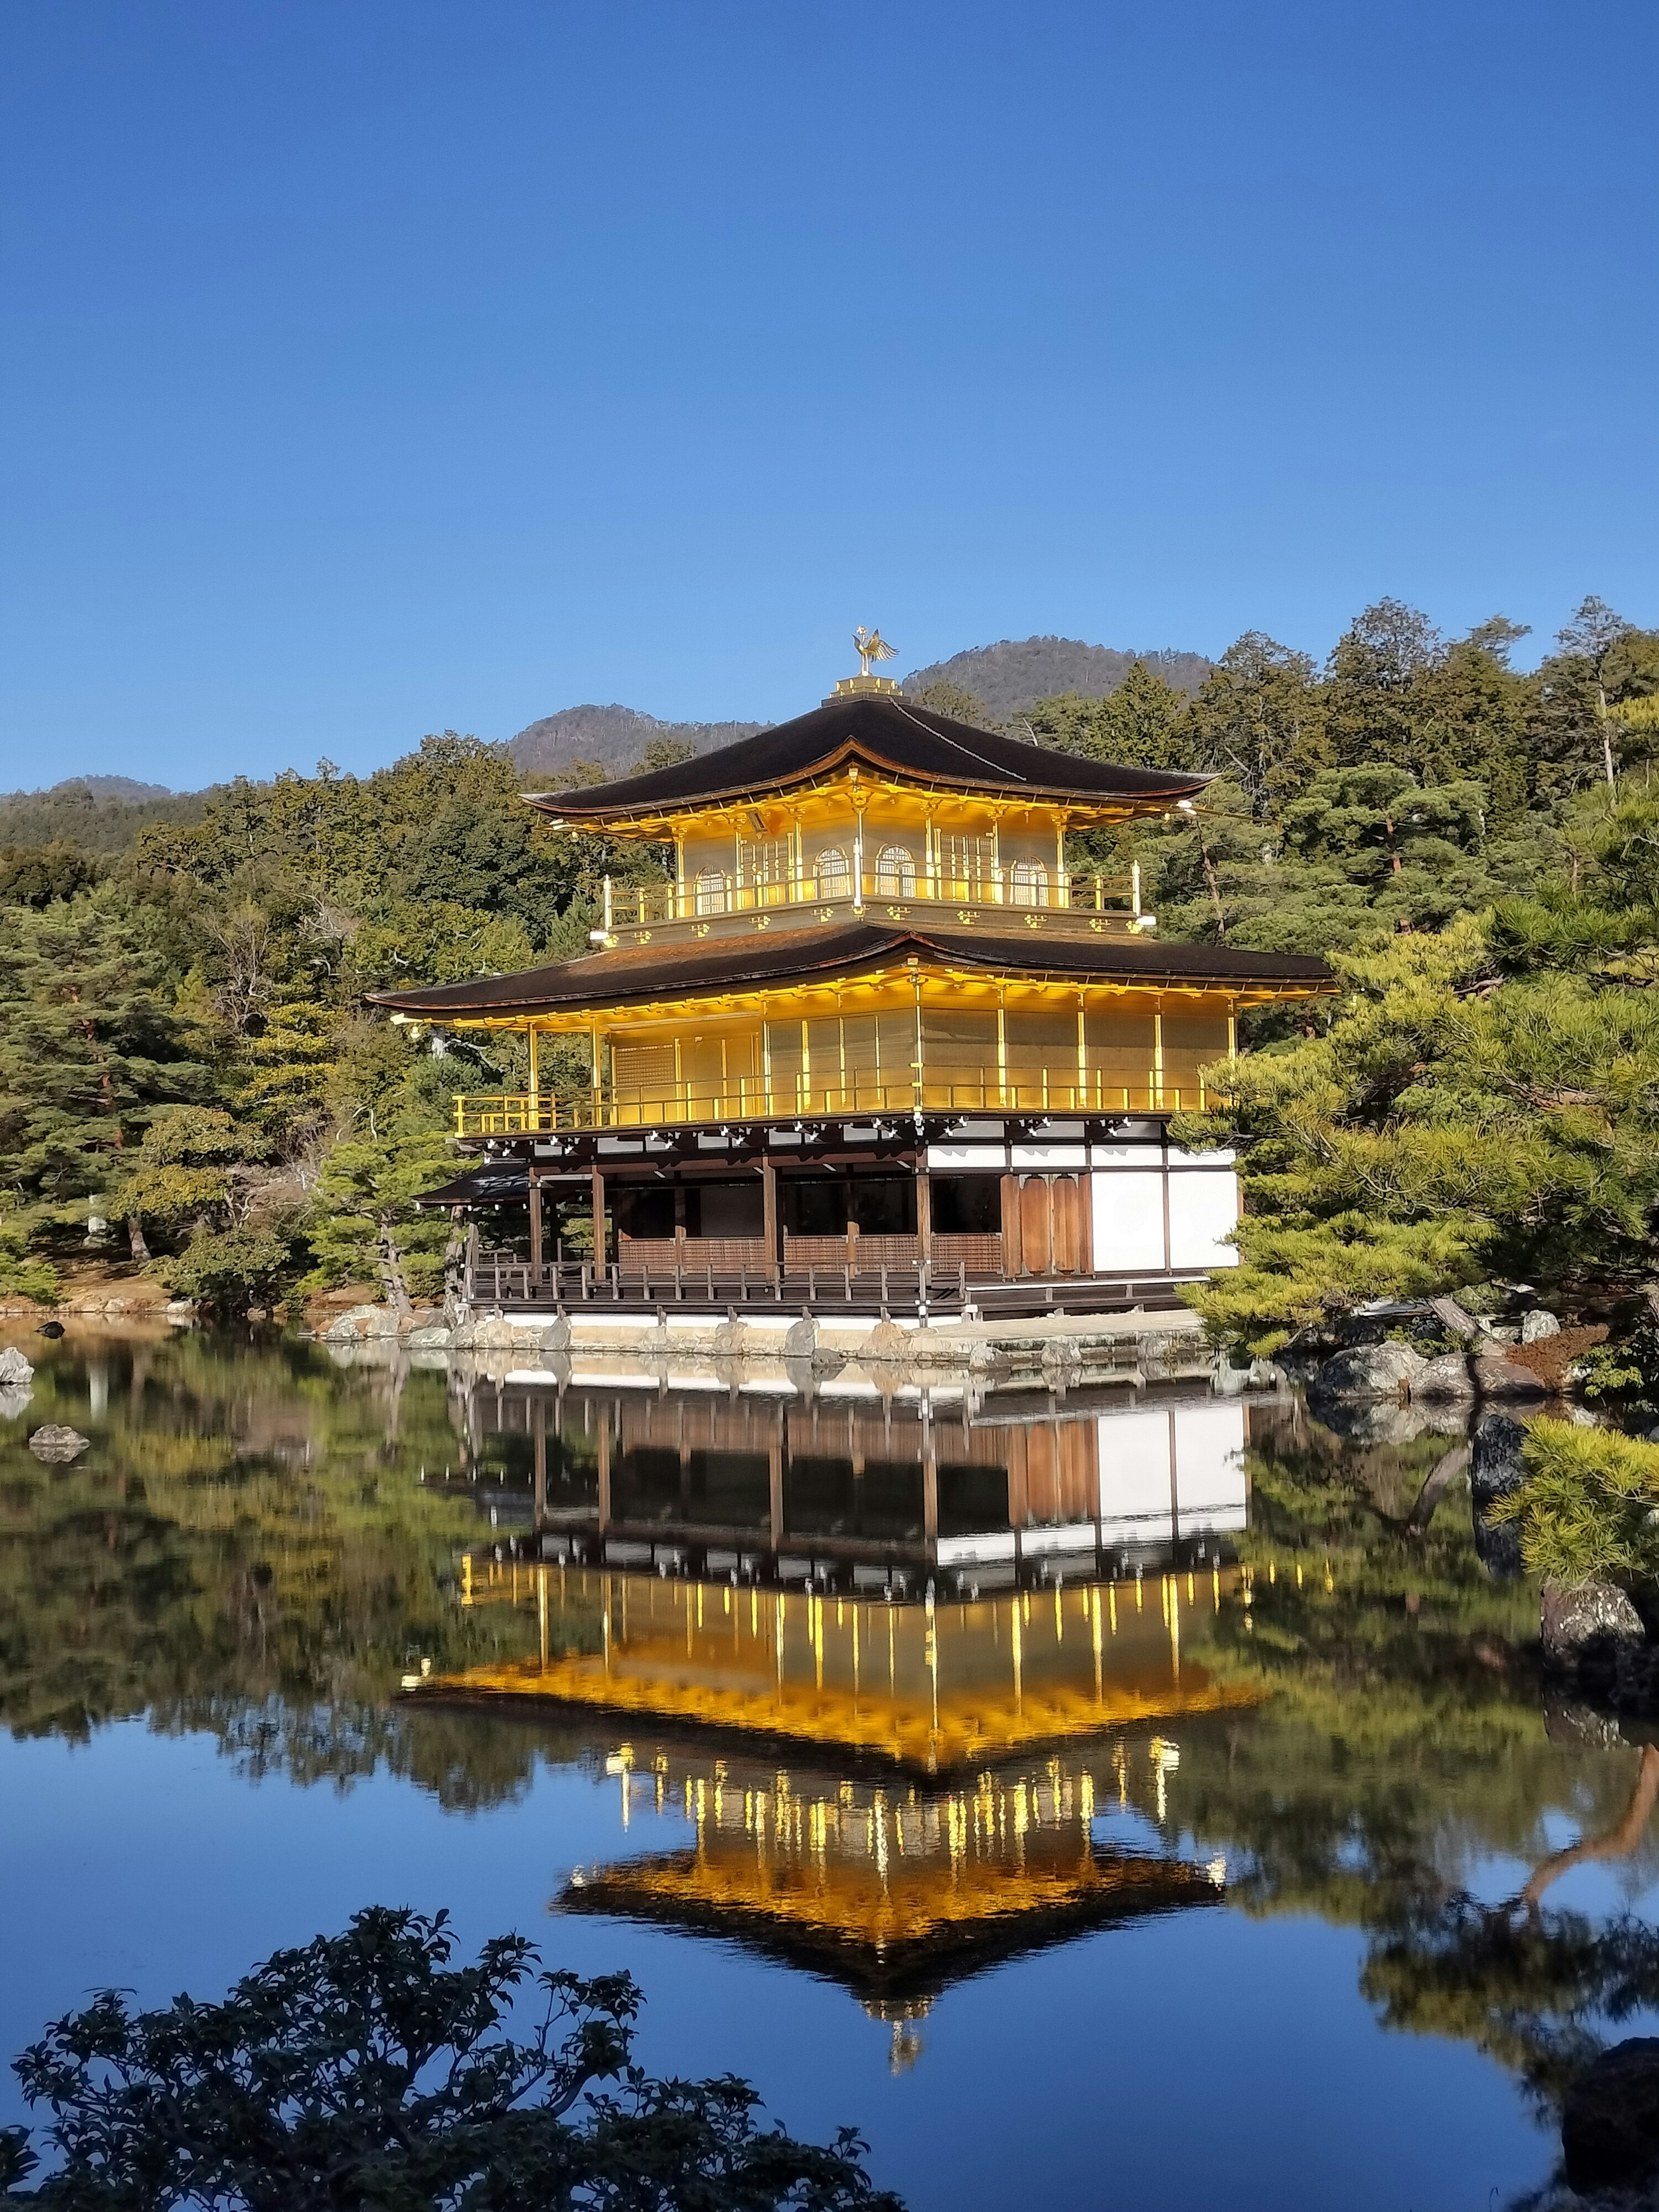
<point x="858" y="1497"/>
<point x="930" y="1687"/>
<point x="893" y="1668"/>
<point x="892" y="1890"/>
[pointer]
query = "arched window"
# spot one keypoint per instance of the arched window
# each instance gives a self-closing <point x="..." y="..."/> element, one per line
<point x="711" y="891"/>
<point x="835" y="879"/>
<point x="1030" y="883"/>
<point x="895" y="873"/>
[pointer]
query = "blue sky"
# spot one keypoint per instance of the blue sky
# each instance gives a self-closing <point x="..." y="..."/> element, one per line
<point x="377" y="368"/>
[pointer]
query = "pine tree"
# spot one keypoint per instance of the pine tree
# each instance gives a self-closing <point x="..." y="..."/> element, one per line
<point x="1259" y="721"/>
<point x="90" y="1047"/>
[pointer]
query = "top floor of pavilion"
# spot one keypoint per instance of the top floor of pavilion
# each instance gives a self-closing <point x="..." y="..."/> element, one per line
<point x="870" y="804"/>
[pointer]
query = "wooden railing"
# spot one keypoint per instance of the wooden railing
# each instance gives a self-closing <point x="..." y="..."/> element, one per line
<point x="509" y="1114"/>
<point x="963" y="1271"/>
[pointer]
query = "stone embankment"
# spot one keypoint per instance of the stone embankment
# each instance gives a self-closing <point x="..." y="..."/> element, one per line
<point x="1053" y="1352"/>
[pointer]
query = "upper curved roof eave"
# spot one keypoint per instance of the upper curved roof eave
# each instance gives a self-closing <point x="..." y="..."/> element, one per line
<point x="888" y="735"/>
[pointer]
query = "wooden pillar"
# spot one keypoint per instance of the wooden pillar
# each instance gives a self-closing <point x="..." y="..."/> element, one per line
<point x="538" y="1429"/>
<point x="599" y="1220"/>
<point x="769" y="1209"/>
<point x="535" y="1218"/>
<point x="924" y="1211"/>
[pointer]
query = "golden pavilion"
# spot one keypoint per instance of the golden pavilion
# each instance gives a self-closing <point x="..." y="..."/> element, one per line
<point x="871" y="1040"/>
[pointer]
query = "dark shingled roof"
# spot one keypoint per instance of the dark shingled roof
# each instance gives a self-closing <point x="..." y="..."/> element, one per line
<point x="692" y="970"/>
<point x="884" y="735"/>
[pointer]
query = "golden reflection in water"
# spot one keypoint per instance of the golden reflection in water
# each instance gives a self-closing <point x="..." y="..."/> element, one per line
<point x="898" y="1888"/>
<point x="956" y="1683"/>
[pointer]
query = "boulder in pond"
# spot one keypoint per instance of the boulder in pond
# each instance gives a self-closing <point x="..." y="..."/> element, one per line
<point x="13" y="1367"/>
<point x="1369" y="1371"/>
<point x="1495" y="1376"/>
<point x="1610" y="2119"/>
<point x="800" y="1339"/>
<point x="1592" y="1621"/>
<point x="57" y="1444"/>
<point x="556" y="1337"/>
<point x="1447" y="1376"/>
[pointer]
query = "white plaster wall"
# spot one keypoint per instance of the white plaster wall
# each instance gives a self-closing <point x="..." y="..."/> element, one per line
<point x="1203" y="1208"/>
<point x="1127" y="1206"/>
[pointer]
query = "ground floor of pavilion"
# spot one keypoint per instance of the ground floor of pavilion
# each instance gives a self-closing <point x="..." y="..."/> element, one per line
<point x="920" y="1211"/>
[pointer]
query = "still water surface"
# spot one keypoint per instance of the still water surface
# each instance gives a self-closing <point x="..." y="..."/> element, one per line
<point x="1205" y="1836"/>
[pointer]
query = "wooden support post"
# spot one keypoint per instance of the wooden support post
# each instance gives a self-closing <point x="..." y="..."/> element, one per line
<point x="535" y="1221"/>
<point x="769" y="1213"/>
<point x="538" y="1427"/>
<point x="598" y="1222"/>
<point x="924" y="1212"/>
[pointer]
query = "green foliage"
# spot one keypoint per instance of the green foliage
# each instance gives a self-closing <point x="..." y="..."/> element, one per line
<point x="35" y="875"/>
<point x="20" y="1275"/>
<point x="227" y="1270"/>
<point x="1139" y="725"/>
<point x="366" y="1222"/>
<point x="362" y="2069"/>
<point x="1588" y="1510"/>
<point x="184" y="1169"/>
<point x="90" y="1046"/>
<point x="1482" y="1103"/>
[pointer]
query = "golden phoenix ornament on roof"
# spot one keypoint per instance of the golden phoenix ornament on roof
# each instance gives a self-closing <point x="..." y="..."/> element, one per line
<point x="871" y="646"/>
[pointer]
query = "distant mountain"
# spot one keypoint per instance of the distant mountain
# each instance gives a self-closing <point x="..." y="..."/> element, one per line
<point x="615" y="737"/>
<point x="124" y="788"/>
<point x="1012" y="676"/>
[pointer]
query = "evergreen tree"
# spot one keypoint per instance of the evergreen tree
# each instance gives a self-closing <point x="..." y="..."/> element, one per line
<point x="90" y="1047"/>
<point x="1259" y="721"/>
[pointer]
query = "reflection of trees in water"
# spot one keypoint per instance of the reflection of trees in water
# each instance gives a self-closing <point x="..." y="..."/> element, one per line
<point x="248" y="1543"/>
<point x="1524" y="1986"/>
<point x="1401" y="1745"/>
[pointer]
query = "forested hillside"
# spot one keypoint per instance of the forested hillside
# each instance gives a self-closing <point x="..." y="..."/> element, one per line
<point x="611" y="739"/>
<point x="1008" y="679"/>
<point x="185" y="1055"/>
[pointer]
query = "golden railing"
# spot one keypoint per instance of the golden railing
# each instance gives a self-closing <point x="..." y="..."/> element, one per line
<point x="507" y="1114"/>
<point x="642" y="905"/>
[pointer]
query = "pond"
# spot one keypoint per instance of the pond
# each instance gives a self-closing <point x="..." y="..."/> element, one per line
<point x="1134" y="1796"/>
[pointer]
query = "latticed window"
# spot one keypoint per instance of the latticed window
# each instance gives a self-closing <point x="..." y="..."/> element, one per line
<point x="1030" y="883"/>
<point x="834" y="878"/>
<point x="764" y="866"/>
<point x="643" y="1071"/>
<point x="711" y="891"/>
<point x="966" y="866"/>
<point x="895" y="873"/>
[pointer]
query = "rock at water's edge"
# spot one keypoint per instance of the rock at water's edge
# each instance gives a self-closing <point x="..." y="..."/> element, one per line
<point x="1370" y="1370"/>
<point x="1447" y="1376"/>
<point x="1538" y="1324"/>
<point x="1595" y="1617"/>
<point x="1610" y="2120"/>
<point x="13" y="1367"/>
<point x="1498" y="1377"/>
